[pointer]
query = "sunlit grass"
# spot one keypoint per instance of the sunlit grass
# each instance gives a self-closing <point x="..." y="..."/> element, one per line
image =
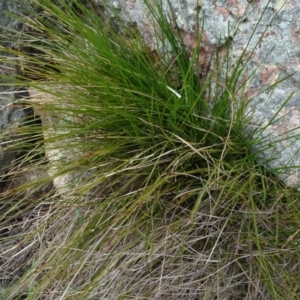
<point x="158" y="193"/>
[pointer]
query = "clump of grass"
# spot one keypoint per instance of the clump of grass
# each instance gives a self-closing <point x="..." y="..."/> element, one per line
<point x="164" y="197"/>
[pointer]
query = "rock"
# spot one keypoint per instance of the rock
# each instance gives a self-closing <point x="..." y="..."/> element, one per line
<point x="55" y="134"/>
<point x="276" y="55"/>
<point x="11" y="115"/>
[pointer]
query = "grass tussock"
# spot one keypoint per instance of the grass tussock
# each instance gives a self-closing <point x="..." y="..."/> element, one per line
<point x="141" y="179"/>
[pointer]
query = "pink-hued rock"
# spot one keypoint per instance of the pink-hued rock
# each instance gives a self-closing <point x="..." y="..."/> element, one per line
<point x="273" y="29"/>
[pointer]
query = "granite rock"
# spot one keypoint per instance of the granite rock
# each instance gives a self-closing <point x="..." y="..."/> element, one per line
<point x="11" y="114"/>
<point x="273" y="29"/>
<point x="54" y="126"/>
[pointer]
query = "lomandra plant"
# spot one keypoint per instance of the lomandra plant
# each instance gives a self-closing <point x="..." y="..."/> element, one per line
<point x="157" y="193"/>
